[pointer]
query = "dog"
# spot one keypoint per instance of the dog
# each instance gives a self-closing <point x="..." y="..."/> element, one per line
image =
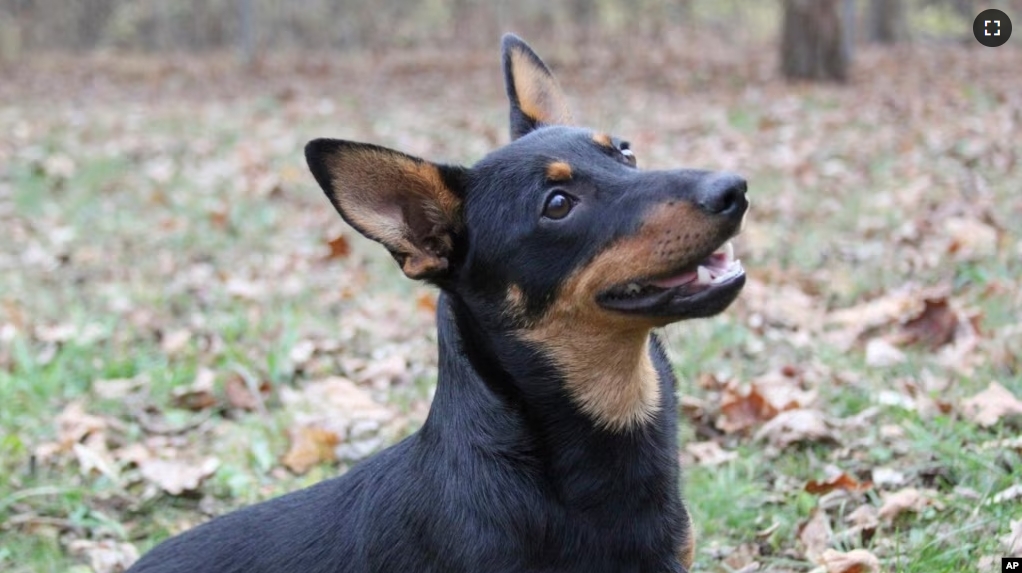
<point x="551" y="444"/>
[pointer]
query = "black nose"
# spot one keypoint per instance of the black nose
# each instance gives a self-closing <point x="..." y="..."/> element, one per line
<point x="722" y="194"/>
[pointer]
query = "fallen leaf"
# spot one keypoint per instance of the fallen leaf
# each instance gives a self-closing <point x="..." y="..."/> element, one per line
<point x="969" y="239"/>
<point x="426" y="301"/>
<point x="881" y="354"/>
<point x="854" y="561"/>
<point x="176" y="476"/>
<point x="240" y="396"/>
<point x="105" y="556"/>
<point x="743" y="557"/>
<point x="95" y="456"/>
<point x="740" y="411"/>
<point x="933" y="327"/>
<point x="175" y="341"/>
<point x="989" y="406"/>
<point x="1012" y="542"/>
<point x="887" y="477"/>
<point x="908" y="499"/>
<point x="339" y="407"/>
<point x="384" y="373"/>
<point x="842" y="481"/>
<point x="339" y="248"/>
<point x="1011" y="493"/>
<point x="199" y="394"/>
<point x="709" y="453"/>
<point x="864" y="517"/>
<point x="815" y="534"/>
<point x="302" y="352"/>
<point x="310" y="446"/>
<point x="796" y="426"/>
<point x="117" y="388"/>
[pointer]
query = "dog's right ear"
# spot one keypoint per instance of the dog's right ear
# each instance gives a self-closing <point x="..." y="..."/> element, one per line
<point x="535" y="96"/>
<point x="409" y="205"/>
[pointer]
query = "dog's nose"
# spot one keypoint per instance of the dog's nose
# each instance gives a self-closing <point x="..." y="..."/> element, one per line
<point x="722" y="194"/>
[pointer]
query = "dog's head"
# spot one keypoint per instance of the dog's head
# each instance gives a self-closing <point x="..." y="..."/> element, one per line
<point x="557" y="236"/>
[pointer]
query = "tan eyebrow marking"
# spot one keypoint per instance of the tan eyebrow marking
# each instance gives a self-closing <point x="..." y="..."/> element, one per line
<point x="558" y="171"/>
<point x="603" y="139"/>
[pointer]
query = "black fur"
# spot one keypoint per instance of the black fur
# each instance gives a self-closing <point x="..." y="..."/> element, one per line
<point x="506" y="474"/>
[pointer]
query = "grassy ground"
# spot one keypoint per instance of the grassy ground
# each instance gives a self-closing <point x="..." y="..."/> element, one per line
<point x="178" y="300"/>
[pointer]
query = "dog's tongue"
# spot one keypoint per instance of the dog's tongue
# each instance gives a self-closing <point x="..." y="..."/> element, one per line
<point x="671" y="282"/>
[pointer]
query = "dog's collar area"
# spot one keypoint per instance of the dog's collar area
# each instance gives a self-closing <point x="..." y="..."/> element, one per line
<point x="719" y="270"/>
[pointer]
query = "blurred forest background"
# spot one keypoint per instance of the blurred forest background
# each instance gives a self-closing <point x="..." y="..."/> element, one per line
<point x="187" y="327"/>
<point x="259" y="27"/>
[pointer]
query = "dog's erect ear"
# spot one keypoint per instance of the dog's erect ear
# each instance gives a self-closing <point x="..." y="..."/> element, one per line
<point x="536" y="98"/>
<point x="411" y="206"/>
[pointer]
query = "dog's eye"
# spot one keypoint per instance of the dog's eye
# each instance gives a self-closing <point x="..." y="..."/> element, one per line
<point x="626" y="151"/>
<point x="558" y="205"/>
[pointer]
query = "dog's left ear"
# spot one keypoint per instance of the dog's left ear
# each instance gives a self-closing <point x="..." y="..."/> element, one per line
<point x="535" y="96"/>
<point x="409" y="205"/>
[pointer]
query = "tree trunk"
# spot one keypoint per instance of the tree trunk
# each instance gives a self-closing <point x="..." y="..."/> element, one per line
<point x="812" y="43"/>
<point x="887" y="23"/>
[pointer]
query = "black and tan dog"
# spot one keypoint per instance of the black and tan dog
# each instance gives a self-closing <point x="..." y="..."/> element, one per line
<point x="551" y="445"/>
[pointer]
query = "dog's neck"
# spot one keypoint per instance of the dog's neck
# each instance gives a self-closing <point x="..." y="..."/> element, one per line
<point x="524" y="417"/>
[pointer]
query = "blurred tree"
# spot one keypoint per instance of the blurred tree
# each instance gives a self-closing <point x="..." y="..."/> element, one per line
<point x="812" y="40"/>
<point x="887" y="21"/>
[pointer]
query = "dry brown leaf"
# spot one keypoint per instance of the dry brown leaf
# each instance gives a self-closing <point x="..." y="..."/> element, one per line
<point x="176" y="476"/>
<point x="240" y="396"/>
<point x="117" y="388"/>
<point x="796" y="426"/>
<point x="782" y="390"/>
<point x="199" y="394"/>
<point x="1012" y="542"/>
<point x="340" y="407"/>
<point x="864" y="517"/>
<point x="842" y="481"/>
<point x="891" y="308"/>
<point x="969" y="239"/>
<point x="815" y="534"/>
<point x="854" y="561"/>
<point x="74" y="424"/>
<point x="339" y="248"/>
<point x="881" y="354"/>
<point x="933" y="327"/>
<point x="1011" y="493"/>
<point x="93" y="455"/>
<point x="743" y="557"/>
<point x="989" y="406"/>
<point x="426" y="301"/>
<point x="709" y="453"/>
<point x="382" y="374"/>
<point x="302" y="352"/>
<point x="883" y="477"/>
<point x="105" y="556"/>
<point x="310" y="446"/>
<point x="908" y="499"/>
<point x="175" y="341"/>
<point x="922" y="315"/>
<point x="740" y="411"/>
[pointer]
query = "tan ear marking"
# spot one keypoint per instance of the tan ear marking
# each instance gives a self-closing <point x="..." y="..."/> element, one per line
<point x="558" y="171"/>
<point x="400" y="202"/>
<point x="539" y="96"/>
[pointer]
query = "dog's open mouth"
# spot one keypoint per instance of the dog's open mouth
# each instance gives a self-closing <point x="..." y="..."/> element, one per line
<point x="703" y="289"/>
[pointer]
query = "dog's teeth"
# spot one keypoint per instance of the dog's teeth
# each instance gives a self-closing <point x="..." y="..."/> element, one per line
<point x="633" y="288"/>
<point x="729" y="252"/>
<point x="703" y="275"/>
